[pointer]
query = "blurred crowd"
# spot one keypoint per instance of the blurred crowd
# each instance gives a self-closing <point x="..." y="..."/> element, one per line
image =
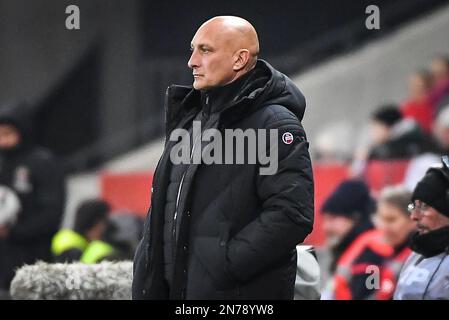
<point x="393" y="244"/>
<point x="417" y="129"/>
<point x="32" y="202"/>
<point x="377" y="241"/>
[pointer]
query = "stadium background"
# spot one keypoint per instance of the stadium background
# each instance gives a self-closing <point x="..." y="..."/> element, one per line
<point x="98" y="92"/>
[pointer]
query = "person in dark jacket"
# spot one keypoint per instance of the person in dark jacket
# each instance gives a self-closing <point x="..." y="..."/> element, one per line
<point x="352" y="241"/>
<point x="227" y="231"/>
<point x="425" y="275"/>
<point x="395" y="137"/>
<point x="36" y="177"/>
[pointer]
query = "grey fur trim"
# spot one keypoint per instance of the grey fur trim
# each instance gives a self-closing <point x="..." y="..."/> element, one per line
<point x="76" y="281"/>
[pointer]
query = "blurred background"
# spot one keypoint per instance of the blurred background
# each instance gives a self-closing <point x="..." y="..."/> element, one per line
<point x="97" y="93"/>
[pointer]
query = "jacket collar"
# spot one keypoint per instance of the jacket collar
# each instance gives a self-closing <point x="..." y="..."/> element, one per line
<point x="218" y="99"/>
<point x="432" y="243"/>
<point x="183" y="102"/>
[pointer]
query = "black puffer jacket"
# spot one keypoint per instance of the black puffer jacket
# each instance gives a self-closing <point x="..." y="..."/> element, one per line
<point x="238" y="229"/>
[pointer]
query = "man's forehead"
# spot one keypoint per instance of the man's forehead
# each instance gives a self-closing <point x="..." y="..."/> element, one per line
<point x="206" y="37"/>
<point x="213" y="34"/>
<point x="200" y="42"/>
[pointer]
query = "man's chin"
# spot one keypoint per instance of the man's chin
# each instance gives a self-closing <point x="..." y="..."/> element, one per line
<point x="197" y="85"/>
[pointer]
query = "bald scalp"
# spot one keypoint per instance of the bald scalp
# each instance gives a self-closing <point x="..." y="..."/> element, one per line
<point x="241" y="33"/>
<point x="235" y="33"/>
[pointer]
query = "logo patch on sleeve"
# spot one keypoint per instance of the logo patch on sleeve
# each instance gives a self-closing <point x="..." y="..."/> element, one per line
<point x="287" y="138"/>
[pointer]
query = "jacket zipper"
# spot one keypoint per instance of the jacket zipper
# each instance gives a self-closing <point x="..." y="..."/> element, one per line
<point x="179" y="195"/>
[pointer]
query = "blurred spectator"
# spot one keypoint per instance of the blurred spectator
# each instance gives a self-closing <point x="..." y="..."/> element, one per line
<point x="84" y="241"/>
<point x="123" y="232"/>
<point x="393" y="221"/>
<point x="441" y="130"/>
<point x="328" y="147"/>
<point x="439" y="94"/>
<point x="353" y="242"/>
<point x="9" y="210"/>
<point x="438" y="146"/>
<point x="393" y="136"/>
<point x="34" y="177"/>
<point x="417" y="105"/>
<point x="425" y="274"/>
<point x="417" y="168"/>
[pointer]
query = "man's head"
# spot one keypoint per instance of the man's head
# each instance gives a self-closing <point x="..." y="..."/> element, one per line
<point x="349" y="204"/>
<point x="223" y="49"/>
<point x="430" y="202"/>
<point x="335" y="227"/>
<point x="91" y="218"/>
<point x="392" y="218"/>
<point x="9" y="136"/>
<point x="382" y="122"/>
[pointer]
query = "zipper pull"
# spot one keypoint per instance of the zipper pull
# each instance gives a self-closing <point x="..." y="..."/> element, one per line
<point x="206" y="110"/>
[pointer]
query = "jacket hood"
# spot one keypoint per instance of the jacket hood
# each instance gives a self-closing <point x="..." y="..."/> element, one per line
<point x="265" y="86"/>
<point x="278" y="89"/>
<point x="260" y="87"/>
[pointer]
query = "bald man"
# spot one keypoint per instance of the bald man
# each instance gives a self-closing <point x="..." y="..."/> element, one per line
<point x="225" y="229"/>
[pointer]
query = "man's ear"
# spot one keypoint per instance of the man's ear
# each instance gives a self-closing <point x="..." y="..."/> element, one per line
<point x="241" y="59"/>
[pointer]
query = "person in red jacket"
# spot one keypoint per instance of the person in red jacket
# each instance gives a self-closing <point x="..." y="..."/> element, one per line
<point x="396" y="227"/>
<point x="417" y="105"/>
<point x="355" y="245"/>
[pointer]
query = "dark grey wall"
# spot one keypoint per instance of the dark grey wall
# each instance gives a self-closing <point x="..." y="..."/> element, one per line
<point x="109" y="78"/>
<point x="38" y="52"/>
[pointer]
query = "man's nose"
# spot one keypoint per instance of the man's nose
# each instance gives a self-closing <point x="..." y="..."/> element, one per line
<point x="193" y="61"/>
